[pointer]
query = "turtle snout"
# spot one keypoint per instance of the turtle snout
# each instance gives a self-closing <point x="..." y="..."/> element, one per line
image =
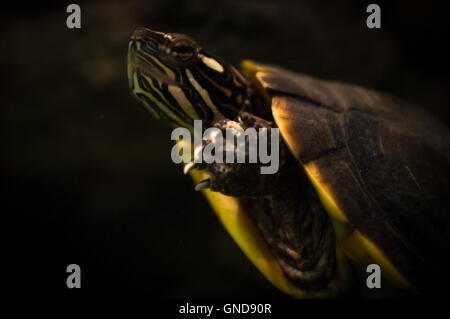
<point x="146" y="34"/>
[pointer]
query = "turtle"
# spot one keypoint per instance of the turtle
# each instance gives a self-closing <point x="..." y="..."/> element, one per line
<point x="359" y="204"/>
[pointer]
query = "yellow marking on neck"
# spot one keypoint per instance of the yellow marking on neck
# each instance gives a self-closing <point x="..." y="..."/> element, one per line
<point x="182" y="101"/>
<point x="155" y="89"/>
<point x="205" y="95"/>
<point x="164" y="108"/>
<point x="137" y="89"/>
<point x="225" y="90"/>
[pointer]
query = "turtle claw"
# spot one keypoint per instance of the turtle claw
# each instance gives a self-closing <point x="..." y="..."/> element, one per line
<point x="205" y="184"/>
<point x="232" y="179"/>
<point x="188" y="167"/>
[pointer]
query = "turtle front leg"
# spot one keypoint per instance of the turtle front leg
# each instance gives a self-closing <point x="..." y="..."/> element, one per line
<point x="283" y="205"/>
<point x="241" y="179"/>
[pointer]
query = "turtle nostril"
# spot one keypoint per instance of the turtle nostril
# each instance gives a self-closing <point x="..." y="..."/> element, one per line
<point x="145" y="34"/>
<point x="137" y="34"/>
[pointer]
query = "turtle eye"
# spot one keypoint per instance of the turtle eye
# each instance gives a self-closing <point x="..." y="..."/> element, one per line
<point x="151" y="45"/>
<point x="181" y="51"/>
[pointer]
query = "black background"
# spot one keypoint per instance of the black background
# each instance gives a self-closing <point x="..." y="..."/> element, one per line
<point x="86" y="172"/>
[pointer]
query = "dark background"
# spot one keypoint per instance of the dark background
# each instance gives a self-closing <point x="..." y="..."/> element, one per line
<point x="86" y="172"/>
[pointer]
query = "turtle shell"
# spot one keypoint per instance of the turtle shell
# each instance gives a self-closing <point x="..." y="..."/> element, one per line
<point x="380" y="165"/>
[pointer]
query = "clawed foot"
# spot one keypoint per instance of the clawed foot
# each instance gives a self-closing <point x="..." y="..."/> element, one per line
<point x="233" y="178"/>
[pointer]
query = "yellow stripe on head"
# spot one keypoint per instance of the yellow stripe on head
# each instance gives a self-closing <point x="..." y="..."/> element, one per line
<point x="212" y="63"/>
<point x="205" y="95"/>
<point x="182" y="100"/>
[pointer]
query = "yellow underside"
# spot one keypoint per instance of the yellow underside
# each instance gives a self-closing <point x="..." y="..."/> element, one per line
<point x="247" y="236"/>
<point x="245" y="233"/>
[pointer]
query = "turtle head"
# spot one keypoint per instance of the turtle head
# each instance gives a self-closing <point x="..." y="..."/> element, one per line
<point x="179" y="82"/>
